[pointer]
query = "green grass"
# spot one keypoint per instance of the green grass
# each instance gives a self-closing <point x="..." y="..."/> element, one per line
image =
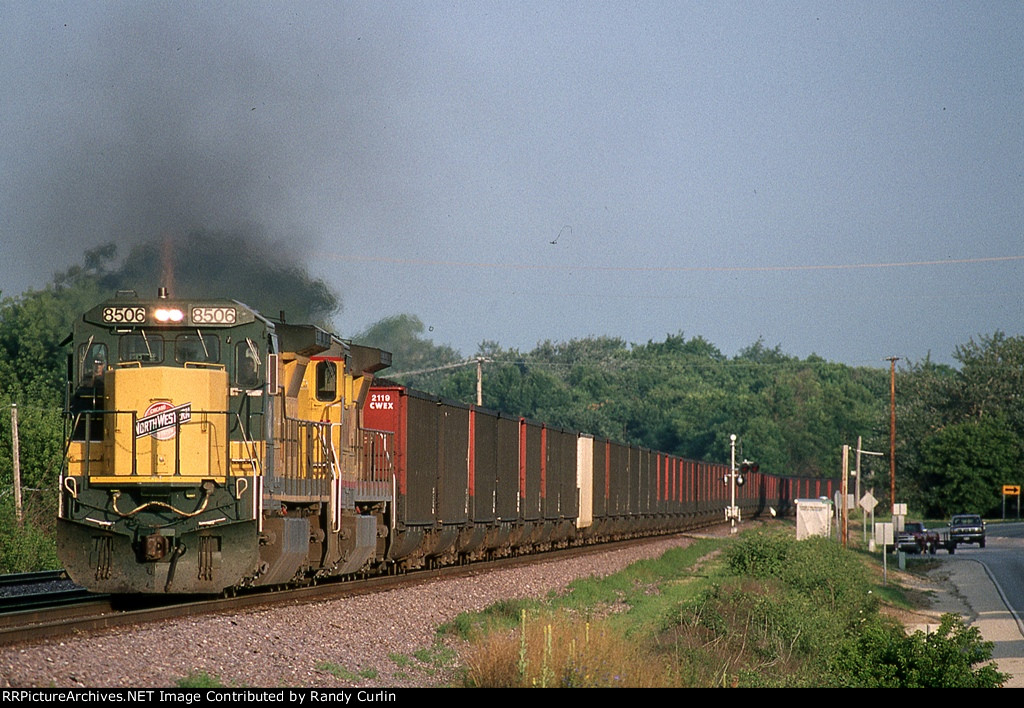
<point x="199" y="679"/>
<point x="438" y="656"/>
<point x="401" y="660"/>
<point x="30" y="545"/>
<point x="760" y="609"/>
<point x="337" y="671"/>
<point x="503" y="614"/>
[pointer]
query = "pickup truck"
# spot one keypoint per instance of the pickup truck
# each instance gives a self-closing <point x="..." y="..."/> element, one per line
<point x="915" y="538"/>
<point x="967" y="528"/>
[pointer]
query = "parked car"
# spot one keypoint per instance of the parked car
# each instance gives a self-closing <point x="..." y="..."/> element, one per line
<point x="967" y="528"/>
<point x="915" y="538"/>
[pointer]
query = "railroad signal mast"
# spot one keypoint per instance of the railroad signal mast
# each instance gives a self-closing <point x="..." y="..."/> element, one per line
<point x="736" y="479"/>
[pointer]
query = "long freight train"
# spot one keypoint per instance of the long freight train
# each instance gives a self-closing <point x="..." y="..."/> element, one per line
<point x="211" y="448"/>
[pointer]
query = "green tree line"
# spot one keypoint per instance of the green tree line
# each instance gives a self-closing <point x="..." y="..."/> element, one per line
<point x="959" y="428"/>
<point x="681" y="395"/>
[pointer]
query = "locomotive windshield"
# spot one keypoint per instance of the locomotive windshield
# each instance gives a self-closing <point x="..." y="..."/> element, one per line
<point x="199" y="348"/>
<point x="142" y="347"/>
<point x="128" y="333"/>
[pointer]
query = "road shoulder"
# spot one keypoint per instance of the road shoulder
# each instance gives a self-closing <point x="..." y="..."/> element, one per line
<point x="963" y="586"/>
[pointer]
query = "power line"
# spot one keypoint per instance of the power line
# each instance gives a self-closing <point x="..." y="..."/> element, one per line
<point x="432" y="369"/>
<point x="668" y="269"/>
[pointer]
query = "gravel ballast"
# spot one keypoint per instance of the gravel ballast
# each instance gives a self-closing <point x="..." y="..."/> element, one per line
<point x="384" y="639"/>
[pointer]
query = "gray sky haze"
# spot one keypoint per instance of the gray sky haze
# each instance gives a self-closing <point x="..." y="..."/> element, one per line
<point x="845" y="179"/>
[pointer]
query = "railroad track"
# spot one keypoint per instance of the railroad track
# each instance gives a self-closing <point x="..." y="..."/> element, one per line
<point x="93" y="612"/>
<point x="36" y="601"/>
<point x="40" y="576"/>
<point x="41" y="590"/>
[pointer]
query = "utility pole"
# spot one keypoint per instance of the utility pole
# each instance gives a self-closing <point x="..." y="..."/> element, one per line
<point x="17" y="462"/>
<point x="892" y="432"/>
<point x="844" y="488"/>
<point x="479" y="380"/>
<point x="856" y="486"/>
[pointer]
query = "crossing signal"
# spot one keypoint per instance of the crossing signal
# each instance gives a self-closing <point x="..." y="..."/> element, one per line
<point x="745" y="469"/>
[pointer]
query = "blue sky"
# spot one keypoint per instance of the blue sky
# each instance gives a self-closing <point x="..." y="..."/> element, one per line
<point x="845" y="179"/>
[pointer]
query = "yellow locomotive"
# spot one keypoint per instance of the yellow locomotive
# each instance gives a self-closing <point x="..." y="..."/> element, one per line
<point x="212" y="448"/>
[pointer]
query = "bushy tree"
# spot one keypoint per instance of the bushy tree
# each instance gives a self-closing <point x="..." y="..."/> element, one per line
<point x="883" y="656"/>
<point x="682" y="395"/>
<point x="961" y="433"/>
<point x="416" y="360"/>
<point x="966" y="464"/>
<point x="822" y="601"/>
<point x="992" y="378"/>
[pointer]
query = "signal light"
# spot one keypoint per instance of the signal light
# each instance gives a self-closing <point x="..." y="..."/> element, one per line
<point x="747" y="468"/>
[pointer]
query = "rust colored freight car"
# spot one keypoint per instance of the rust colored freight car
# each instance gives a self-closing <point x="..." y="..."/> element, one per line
<point x="470" y="482"/>
<point x="474" y="483"/>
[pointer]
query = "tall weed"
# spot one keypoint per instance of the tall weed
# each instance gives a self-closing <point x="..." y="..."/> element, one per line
<point x="30" y="545"/>
<point x="560" y="649"/>
<point x="772" y="612"/>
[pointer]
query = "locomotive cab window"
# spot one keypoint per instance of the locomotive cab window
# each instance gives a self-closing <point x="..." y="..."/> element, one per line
<point x="143" y="347"/>
<point x="92" y="367"/>
<point x="326" y="381"/>
<point x="198" y="347"/>
<point x="92" y="363"/>
<point x="247" y="364"/>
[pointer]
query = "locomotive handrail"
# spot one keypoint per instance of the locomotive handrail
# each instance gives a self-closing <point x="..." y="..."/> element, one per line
<point x="160" y="505"/>
<point x="87" y="439"/>
<point x="326" y="441"/>
<point x="388" y="469"/>
<point x="198" y="417"/>
<point x="204" y="365"/>
<point x="330" y="452"/>
<point x="247" y="443"/>
<point x="304" y="453"/>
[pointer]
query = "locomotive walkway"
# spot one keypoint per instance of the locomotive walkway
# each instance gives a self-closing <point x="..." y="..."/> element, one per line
<point x="964" y="587"/>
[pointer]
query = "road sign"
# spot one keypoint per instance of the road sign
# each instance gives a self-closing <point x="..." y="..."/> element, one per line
<point x="1011" y="490"/>
<point x="868" y="502"/>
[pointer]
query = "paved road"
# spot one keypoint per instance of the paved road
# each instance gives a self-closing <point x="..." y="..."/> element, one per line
<point x="1003" y="558"/>
<point x="989" y="585"/>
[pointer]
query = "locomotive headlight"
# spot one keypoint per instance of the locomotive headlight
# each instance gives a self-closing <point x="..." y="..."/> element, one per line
<point x="168" y="314"/>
